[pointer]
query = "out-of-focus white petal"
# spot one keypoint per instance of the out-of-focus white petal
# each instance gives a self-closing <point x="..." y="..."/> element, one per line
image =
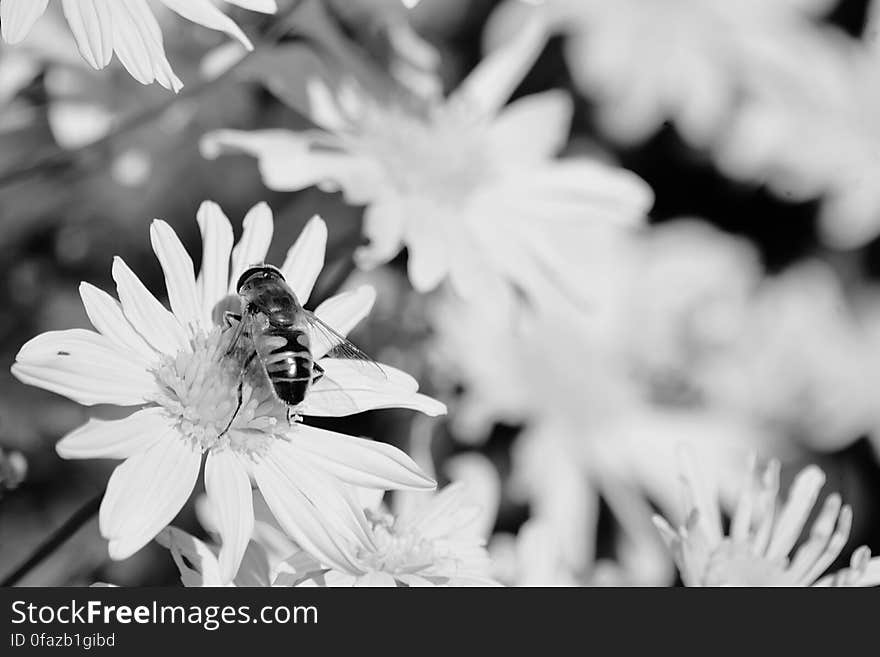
<point x="158" y="326"/>
<point x="229" y="492"/>
<point x="384" y="224"/>
<point x="263" y="6"/>
<point x="146" y="492"/>
<point x="801" y="498"/>
<point x="532" y="128"/>
<point x="217" y="239"/>
<point x="360" y="462"/>
<point x="180" y="280"/>
<point x="305" y="259"/>
<point x="702" y="495"/>
<point x="83" y="366"/>
<point x="17" y="17"/>
<point x="375" y="579"/>
<point x="482" y="486"/>
<point x="820" y="533"/>
<point x="488" y="87"/>
<point x="579" y="190"/>
<point x="323" y="107"/>
<point x="288" y="163"/>
<point x="256" y="237"/>
<point x="206" y="13"/>
<point x="429" y="254"/>
<point x="115" y="439"/>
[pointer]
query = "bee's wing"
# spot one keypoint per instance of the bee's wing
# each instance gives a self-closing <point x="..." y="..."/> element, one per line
<point x="327" y="342"/>
<point x="243" y="348"/>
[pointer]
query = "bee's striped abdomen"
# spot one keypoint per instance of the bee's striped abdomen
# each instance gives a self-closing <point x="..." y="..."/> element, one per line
<point x="289" y="364"/>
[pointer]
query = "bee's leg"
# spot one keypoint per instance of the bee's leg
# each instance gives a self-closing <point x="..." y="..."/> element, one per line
<point x="240" y="387"/>
<point x="317" y="373"/>
<point x="228" y="318"/>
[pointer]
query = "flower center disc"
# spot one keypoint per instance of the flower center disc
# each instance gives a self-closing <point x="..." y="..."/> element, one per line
<point x="213" y="403"/>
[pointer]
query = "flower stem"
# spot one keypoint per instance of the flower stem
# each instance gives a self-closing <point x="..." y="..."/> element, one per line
<point x="55" y="540"/>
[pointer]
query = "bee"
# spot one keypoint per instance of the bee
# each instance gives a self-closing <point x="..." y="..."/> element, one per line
<point x="279" y="334"/>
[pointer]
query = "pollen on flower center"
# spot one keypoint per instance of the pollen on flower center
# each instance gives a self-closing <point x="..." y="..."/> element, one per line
<point x="200" y="388"/>
<point x="734" y="564"/>
<point x="397" y="552"/>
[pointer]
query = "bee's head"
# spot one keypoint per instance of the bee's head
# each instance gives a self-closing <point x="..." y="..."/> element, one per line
<point x="257" y="273"/>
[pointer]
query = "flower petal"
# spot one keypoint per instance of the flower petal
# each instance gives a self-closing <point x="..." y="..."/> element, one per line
<point x="254" y="243"/>
<point x="360" y="462"/>
<point x="351" y="386"/>
<point x="229" y="492"/>
<point x="491" y="83"/>
<point x="339" y="504"/>
<point x="305" y="259"/>
<point x="375" y="579"/>
<point x="217" y="240"/>
<point x="324" y="109"/>
<point x="159" y="326"/>
<point x="205" y="13"/>
<point x="384" y="225"/>
<point x="832" y="549"/>
<point x="703" y="496"/>
<point x="342" y="312"/>
<point x="533" y="128"/>
<point x="820" y="533"/>
<point x="105" y="314"/>
<point x="254" y="569"/>
<point x="576" y="190"/>
<point x="180" y="279"/>
<point x="742" y="516"/>
<point x="115" y="439"/>
<point x="263" y="6"/>
<point x="187" y="551"/>
<point x="429" y="254"/>
<point x="138" y="43"/>
<point x="414" y="580"/>
<point x="146" y="492"/>
<point x="83" y="366"/>
<point x="17" y="17"/>
<point x="303" y="521"/>
<point x="790" y="523"/>
<point x="288" y="163"/>
<point x="91" y="22"/>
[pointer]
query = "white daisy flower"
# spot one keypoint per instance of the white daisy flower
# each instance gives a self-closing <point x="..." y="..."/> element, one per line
<point x="436" y="543"/>
<point x="646" y="61"/>
<point x="472" y="188"/>
<point x="591" y="429"/>
<point x="127" y="28"/>
<point x="759" y="548"/>
<point x="199" y="564"/>
<point x="194" y="401"/>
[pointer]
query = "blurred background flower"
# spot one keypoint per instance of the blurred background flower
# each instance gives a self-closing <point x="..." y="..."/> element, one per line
<point x="709" y="276"/>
